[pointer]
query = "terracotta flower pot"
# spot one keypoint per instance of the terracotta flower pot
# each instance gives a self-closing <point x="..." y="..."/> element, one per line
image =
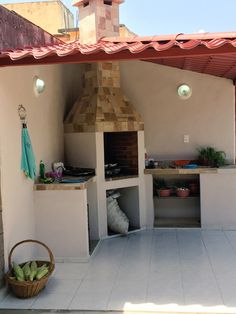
<point x="164" y="192"/>
<point x="194" y="188"/>
<point x="182" y="192"/>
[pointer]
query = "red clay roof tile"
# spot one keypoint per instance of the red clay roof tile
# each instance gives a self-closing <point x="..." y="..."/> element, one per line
<point x="211" y="53"/>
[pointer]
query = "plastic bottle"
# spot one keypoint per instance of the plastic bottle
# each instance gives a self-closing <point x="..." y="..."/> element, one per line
<point x="41" y="170"/>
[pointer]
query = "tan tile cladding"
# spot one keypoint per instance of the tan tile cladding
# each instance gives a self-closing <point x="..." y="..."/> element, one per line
<point x="103" y="107"/>
<point x="98" y="20"/>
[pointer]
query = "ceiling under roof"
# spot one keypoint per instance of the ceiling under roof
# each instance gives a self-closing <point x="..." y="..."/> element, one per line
<point x="209" y="53"/>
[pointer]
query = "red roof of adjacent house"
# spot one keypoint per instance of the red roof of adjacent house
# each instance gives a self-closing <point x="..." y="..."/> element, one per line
<point x="210" y="53"/>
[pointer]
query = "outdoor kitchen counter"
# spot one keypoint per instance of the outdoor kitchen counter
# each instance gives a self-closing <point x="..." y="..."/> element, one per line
<point x="200" y="170"/>
<point x="61" y="217"/>
<point x="217" y="193"/>
<point x="65" y="186"/>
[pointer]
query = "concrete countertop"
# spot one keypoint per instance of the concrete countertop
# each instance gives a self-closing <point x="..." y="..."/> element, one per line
<point x="65" y="186"/>
<point x="199" y="170"/>
<point x="115" y="178"/>
<point x="161" y="171"/>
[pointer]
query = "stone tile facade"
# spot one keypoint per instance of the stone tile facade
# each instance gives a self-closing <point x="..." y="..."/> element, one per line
<point x="103" y="107"/>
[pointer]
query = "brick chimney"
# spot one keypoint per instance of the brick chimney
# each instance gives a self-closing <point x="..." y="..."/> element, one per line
<point x="97" y="19"/>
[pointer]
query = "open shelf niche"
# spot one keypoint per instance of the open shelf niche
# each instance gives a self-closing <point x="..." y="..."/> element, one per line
<point x="129" y="204"/>
<point x="173" y="211"/>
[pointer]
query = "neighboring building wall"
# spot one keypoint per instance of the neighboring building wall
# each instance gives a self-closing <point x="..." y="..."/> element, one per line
<point x="125" y="32"/>
<point x="11" y="25"/>
<point x="45" y="115"/>
<point x="73" y="33"/>
<point x="207" y="117"/>
<point x="50" y="15"/>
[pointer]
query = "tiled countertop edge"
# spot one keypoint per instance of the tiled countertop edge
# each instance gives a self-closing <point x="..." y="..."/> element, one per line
<point x="63" y="186"/>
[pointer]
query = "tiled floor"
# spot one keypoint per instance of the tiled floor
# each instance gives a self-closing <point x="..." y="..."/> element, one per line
<point x="179" y="270"/>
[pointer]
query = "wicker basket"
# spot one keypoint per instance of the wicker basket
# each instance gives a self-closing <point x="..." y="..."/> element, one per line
<point x="28" y="289"/>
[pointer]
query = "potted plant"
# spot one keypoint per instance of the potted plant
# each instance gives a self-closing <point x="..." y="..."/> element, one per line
<point x="161" y="188"/>
<point x="182" y="192"/>
<point x="209" y="156"/>
<point x="194" y="187"/>
<point x="182" y="189"/>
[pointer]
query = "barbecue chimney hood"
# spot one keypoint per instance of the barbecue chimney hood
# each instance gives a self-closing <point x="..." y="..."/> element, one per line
<point x="102" y="107"/>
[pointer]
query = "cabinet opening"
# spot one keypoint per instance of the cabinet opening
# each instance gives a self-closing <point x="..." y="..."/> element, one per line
<point x="180" y="207"/>
<point x="128" y="202"/>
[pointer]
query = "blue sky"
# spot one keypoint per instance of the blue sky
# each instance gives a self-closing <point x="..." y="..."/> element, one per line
<point x="155" y="17"/>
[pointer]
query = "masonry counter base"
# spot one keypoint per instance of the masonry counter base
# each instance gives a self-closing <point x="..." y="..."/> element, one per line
<point x="62" y="222"/>
<point x="177" y="223"/>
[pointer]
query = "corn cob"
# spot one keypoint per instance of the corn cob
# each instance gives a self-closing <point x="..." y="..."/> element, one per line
<point x="18" y="272"/>
<point x="33" y="273"/>
<point x="26" y="270"/>
<point x="42" y="273"/>
<point x="41" y="267"/>
<point x="33" y="266"/>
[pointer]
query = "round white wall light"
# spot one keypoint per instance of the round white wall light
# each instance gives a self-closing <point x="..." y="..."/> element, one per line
<point x="39" y="85"/>
<point x="184" y="91"/>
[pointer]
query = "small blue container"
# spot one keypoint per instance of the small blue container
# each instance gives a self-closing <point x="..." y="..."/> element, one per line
<point x="190" y="166"/>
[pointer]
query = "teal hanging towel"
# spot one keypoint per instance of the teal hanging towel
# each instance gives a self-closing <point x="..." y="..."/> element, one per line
<point x="28" y="164"/>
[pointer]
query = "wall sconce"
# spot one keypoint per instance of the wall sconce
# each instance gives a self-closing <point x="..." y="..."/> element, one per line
<point x="39" y="85"/>
<point x="184" y="91"/>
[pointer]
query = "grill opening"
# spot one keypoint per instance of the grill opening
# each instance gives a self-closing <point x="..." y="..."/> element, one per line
<point x="107" y="2"/>
<point x="121" y="153"/>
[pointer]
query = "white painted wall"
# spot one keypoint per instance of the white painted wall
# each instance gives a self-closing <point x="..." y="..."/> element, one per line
<point x="45" y="115"/>
<point x="207" y="117"/>
<point x="80" y="149"/>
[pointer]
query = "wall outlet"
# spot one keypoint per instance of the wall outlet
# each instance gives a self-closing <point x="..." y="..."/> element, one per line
<point x="186" y="138"/>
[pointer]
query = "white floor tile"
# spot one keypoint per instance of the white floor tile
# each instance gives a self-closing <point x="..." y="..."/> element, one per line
<point x="160" y="269"/>
<point x="127" y="292"/>
<point x="162" y="293"/>
<point x="89" y="301"/>
<point x="134" y="274"/>
<point x="88" y="285"/>
<point x="56" y="285"/>
<point x="70" y="270"/>
<point x="12" y="302"/>
<point x="3" y="293"/>
<point x="202" y="291"/>
<point x="52" y="301"/>
<point x="228" y="295"/>
<point x="106" y="271"/>
<point x="92" y="295"/>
